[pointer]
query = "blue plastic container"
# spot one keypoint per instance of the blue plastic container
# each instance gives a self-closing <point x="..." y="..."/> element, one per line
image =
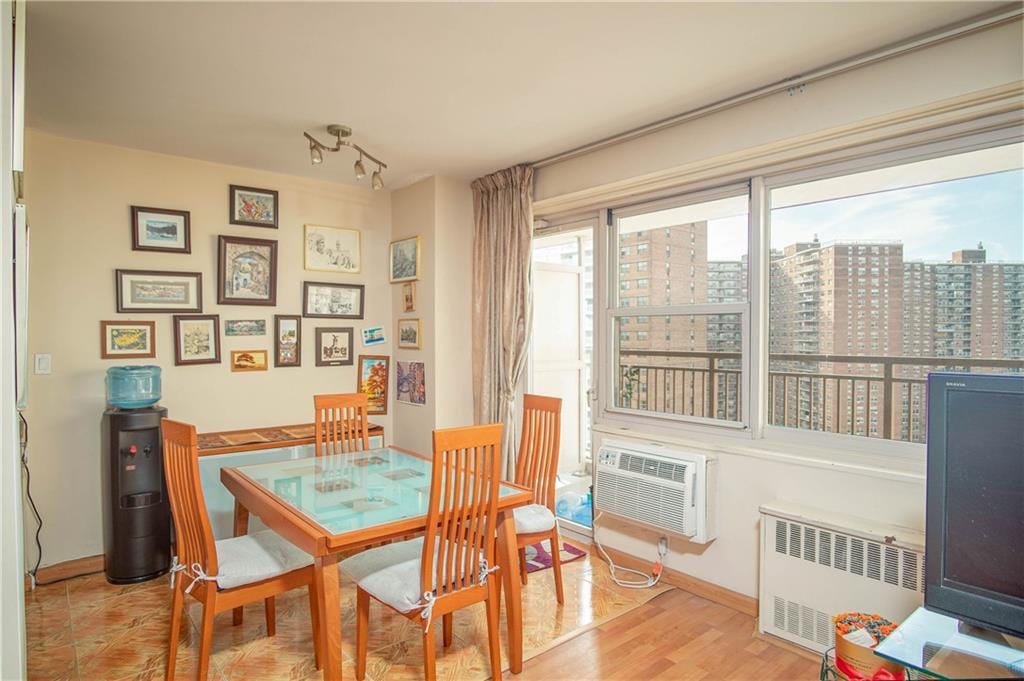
<point x="133" y="387"/>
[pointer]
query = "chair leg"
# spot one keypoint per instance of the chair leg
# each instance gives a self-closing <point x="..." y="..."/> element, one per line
<point x="493" y="627"/>
<point x="556" y="564"/>
<point x="430" y="655"/>
<point x="206" y="639"/>
<point x="177" y="606"/>
<point x="522" y="564"/>
<point x="447" y="638"/>
<point x="362" y="631"/>
<point x="314" y="618"/>
<point x="270" y="610"/>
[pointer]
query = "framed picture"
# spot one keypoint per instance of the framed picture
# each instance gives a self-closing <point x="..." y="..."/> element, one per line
<point x="373" y="380"/>
<point x="246" y="271"/>
<point x="411" y="383"/>
<point x="245" y="327"/>
<point x="332" y="249"/>
<point x="405" y="259"/>
<point x="409" y="297"/>
<point x="127" y="339"/>
<point x="196" y="339"/>
<point x="253" y="207"/>
<point x="324" y="299"/>
<point x="153" y="291"/>
<point x="374" y="335"/>
<point x="334" y="346"/>
<point x="409" y="334"/>
<point x="248" y="360"/>
<point x="161" y="229"/>
<point x="287" y="340"/>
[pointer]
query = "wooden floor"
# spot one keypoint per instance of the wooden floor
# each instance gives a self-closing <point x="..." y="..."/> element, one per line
<point x="677" y="636"/>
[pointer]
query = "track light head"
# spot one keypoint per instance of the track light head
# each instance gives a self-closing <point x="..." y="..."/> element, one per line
<point x="359" y="168"/>
<point x="377" y="182"/>
<point x="316" y="156"/>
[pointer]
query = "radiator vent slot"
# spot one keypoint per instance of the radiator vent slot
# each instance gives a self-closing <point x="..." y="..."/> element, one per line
<point x="892" y="566"/>
<point x="825" y="548"/>
<point x="809" y="539"/>
<point x="794" y="540"/>
<point x="909" y="570"/>
<point x="780" y="536"/>
<point x="874" y="561"/>
<point x="857" y="556"/>
<point x="811" y="625"/>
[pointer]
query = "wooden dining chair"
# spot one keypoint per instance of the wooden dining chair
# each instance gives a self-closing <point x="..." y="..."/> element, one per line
<point x="340" y="423"/>
<point x="430" y="577"/>
<point x="226" y="573"/>
<point x="537" y="468"/>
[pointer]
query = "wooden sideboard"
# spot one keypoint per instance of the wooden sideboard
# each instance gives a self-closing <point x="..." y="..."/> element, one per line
<point x="270" y="437"/>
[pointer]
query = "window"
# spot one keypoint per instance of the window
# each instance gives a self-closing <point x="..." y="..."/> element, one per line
<point x="692" y="367"/>
<point x="924" y="236"/>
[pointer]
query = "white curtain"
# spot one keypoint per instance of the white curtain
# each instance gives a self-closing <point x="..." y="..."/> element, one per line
<point x="503" y="213"/>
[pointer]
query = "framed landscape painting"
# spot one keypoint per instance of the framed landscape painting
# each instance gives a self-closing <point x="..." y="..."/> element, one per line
<point x="161" y="229"/>
<point x="245" y="327"/>
<point x="404" y="259"/>
<point x="248" y="360"/>
<point x="409" y="334"/>
<point x="287" y="340"/>
<point x="334" y="346"/>
<point x="332" y="249"/>
<point x="252" y="206"/>
<point x="373" y="381"/>
<point x="153" y="291"/>
<point x="196" y="339"/>
<point x="246" y="271"/>
<point x="127" y="339"/>
<point x="325" y="299"/>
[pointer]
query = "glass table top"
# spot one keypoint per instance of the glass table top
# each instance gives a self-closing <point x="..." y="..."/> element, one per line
<point x="346" y="492"/>
<point x="941" y="646"/>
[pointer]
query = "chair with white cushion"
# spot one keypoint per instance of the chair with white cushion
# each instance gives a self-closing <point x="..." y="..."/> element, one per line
<point x="537" y="468"/>
<point x="428" y="578"/>
<point x="227" y="573"/>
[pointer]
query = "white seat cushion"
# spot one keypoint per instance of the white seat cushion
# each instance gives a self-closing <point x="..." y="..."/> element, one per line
<point x="533" y="518"/>
<point x="254" y="557"/>
<point x="365" y="563"/>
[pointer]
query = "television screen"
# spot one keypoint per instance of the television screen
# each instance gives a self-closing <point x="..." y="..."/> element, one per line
<point x="974" y="551"/>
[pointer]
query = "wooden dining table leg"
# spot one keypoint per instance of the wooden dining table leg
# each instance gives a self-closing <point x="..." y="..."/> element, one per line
<point x="508" y="557"/>
<point x="328" y="594"/>
<point x="241" y="528"/>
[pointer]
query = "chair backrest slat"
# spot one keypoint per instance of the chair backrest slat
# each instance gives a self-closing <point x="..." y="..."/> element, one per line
<point x="194" y="537"/>
<point x="462" y="516"/>
<point x="340" y="424"/>
<point x="537" y="465"/>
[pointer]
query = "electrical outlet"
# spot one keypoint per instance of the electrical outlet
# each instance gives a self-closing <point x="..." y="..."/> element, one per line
<point x="42" y="364"/>
<point x="663" y="547"/>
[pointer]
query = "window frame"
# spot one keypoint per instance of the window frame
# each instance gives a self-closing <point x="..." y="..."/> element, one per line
<point x="610" y="339"/>
<point x="843" y="449"/>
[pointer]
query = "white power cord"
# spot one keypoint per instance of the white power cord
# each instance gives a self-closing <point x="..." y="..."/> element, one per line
<point x="649" y="579"/>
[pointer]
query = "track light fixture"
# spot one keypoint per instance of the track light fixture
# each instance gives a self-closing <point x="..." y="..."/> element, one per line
<point x="341" y="134"/>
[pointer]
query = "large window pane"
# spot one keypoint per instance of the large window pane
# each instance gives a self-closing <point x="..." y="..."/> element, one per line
<point x="685" y="365"/>
<point x="878" y="278"/>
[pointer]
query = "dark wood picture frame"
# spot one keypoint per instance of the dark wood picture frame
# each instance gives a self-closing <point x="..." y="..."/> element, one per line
<point x="278" y="362"/>
<point x="234" y="220"/>
<point x="106" y="354"/>
<point x="177" y="320"/>
<point x="119" y="291"/>
<point x="320" y="361"/>
<point x="222" y="243"/>
<point x="387" y="380"/>
<point x="357" y="287"/>
<point x="184" y="214"/>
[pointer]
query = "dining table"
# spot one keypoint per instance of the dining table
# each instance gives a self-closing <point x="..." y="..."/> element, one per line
<point x="332" y="505"/>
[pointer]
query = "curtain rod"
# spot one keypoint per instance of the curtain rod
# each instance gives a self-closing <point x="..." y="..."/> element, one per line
<point x="980" y="23"/>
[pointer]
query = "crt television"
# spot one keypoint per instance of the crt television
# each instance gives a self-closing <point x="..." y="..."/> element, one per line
<point x="974" y="537"/>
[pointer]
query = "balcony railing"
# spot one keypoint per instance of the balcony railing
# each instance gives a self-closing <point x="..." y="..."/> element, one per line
<point x="871" y="396"/>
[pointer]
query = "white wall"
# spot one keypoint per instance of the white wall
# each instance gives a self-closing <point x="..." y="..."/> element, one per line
<point x="976" y="62"/>
<point x="79" y="195"/>
<point x="746" y="480"/>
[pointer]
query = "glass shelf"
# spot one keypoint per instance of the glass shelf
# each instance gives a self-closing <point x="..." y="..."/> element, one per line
<point x="945" y="648"/>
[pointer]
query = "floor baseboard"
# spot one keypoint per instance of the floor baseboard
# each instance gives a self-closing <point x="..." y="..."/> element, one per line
<point x="66" y="570"/>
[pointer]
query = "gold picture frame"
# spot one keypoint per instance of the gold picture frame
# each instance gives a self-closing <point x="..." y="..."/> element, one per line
<point x="249" y="360"/>
<point x="409" y="332"/>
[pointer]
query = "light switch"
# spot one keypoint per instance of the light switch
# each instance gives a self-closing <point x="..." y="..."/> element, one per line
<point x="42" y="364"/>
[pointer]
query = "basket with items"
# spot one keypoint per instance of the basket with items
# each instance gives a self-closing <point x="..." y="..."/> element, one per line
<point x="854" y="659"/>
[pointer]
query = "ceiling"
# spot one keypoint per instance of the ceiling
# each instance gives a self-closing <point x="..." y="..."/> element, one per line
<point x="455" y="89"/>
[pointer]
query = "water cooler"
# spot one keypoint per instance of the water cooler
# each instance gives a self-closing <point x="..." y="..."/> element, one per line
<point x="136" y="511"/>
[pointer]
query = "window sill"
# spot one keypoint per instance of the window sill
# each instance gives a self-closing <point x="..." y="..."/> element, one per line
<point x="872" y="464"/>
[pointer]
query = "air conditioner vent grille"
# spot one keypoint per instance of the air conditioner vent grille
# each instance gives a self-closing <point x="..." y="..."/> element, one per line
<point x="655" y="468"/>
